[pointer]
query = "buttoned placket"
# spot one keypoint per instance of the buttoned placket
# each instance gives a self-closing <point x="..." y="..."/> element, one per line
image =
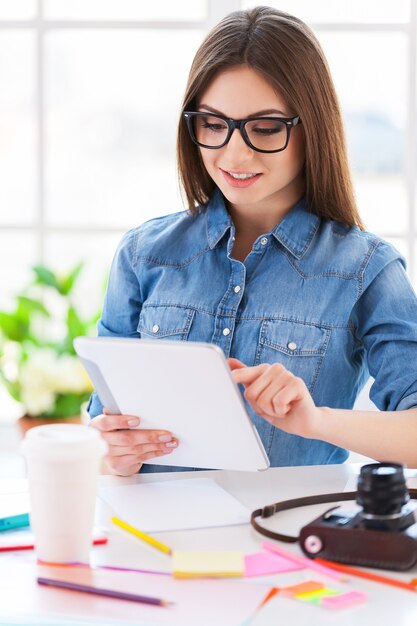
<point x="228" y="308"/>
<point x="253" y="259"/>
<point x="226" y="312"/>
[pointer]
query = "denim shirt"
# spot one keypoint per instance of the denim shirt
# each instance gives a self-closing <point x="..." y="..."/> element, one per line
<point x="331" y="303"/>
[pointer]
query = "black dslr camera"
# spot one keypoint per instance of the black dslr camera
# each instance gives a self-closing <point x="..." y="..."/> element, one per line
<point x="382" y="534"/>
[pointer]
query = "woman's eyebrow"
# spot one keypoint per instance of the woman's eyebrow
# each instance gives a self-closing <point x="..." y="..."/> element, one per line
<point x="264" y="112"/>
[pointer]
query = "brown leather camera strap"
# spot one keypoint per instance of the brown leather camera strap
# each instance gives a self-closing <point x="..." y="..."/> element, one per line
<point x="286" y="505"/>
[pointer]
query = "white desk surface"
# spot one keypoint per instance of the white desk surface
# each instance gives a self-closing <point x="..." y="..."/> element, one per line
<point x="386" y="605"/>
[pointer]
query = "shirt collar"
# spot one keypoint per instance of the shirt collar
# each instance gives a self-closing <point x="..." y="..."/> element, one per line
<point x="294" y="232"/>
<point x="297" y="229"/>
<point x="218" y="219"/>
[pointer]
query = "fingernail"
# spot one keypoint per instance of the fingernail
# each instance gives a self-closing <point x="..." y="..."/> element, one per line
<point x="134" y="422"/>
<point x="165" y="438"/>
<point x="171" y="444"/>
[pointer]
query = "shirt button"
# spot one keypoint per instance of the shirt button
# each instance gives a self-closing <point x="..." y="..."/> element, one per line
<point x="264" y="241"/>
<point x="291" y="345"/>
<point x="155" y="328"/>
<point x="236" y="289"/>
<point x="226" y="331"/>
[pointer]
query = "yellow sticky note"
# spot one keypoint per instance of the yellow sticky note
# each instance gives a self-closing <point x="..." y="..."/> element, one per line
<point x="196" y="564"/>
<point x="315" y="597"/>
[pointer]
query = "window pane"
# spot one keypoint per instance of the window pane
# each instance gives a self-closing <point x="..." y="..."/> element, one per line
<point x="382" y="201"/>
<point x="17" y="127"/>
<point x="126" y="10"/>
<point x="402" y="247"/>
<point x="17" y="252"/>
<point x="112" y="120"/>
<point x="21" y="10"/>
<point x="62" y="252"/>
<point x="343" y="10"/>
<point x="371" y="82"/>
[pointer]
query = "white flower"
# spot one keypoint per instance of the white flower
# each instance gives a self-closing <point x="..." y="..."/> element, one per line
<point x="38" y="369"/>
<point x="9" y="360"/>
<point x="36" y="378"/>
<point x="37" y="400"/>
<point x="46" y="374"/>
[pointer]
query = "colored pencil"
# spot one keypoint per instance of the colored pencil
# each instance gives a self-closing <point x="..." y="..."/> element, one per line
<point x="131" y="569"/>
<point x="304" y="561"/>
<point x="347" y="569"/>
<point x="141" y="535"/>
<point x="14" y="521"/>
<point x="30" y="546"/>
<point x="99" y="591"/>
<point x="109" y="567"/>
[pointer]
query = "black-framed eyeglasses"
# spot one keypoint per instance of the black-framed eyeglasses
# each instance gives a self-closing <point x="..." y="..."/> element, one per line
<point x="263" y="134"/>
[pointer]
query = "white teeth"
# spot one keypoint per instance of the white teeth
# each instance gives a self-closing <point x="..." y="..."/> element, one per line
<point x="241" y="176"/>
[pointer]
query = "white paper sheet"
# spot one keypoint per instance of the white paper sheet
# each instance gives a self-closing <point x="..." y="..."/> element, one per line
<point x="197" y="602"/>
<point x="175" y="505"/>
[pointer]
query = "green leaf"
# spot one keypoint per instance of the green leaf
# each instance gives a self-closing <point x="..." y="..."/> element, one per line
<point x="13" y="327"/>
<point x="75" y="324"/>
<point x="67" y="405"/>
<point x="44" y="276"/>
<point x="67" y="283"/>
<point x="75" y="327"/>
<point x="13" y="388"/>
<point x="30" y="306"/>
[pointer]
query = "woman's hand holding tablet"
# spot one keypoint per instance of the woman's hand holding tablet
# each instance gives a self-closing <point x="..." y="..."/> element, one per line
<point x="175" y="389"/>
<point x="130" y="446"/>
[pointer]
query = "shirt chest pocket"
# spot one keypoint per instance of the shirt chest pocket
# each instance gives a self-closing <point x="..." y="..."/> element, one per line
<point x="165" y="322"/>
<point x="300" y="348"/>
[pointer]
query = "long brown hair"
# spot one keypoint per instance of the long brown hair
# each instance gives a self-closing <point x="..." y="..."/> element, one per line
<point x="286" y="52"/>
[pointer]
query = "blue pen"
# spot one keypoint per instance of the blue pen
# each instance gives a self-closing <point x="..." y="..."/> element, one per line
<point x="14" y="521"/>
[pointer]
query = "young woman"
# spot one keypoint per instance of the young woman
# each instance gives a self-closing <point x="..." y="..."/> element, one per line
<point x="271" y="261"/>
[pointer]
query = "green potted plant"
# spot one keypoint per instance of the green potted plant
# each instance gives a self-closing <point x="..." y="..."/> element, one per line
<point x="38" y="364"/>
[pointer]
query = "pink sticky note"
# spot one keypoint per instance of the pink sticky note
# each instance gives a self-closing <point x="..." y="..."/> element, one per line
<point x="343" y="599"/>
<point x="264" y="563"/>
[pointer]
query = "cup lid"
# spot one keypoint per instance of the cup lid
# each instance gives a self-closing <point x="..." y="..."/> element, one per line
<point x="63" y="440"/>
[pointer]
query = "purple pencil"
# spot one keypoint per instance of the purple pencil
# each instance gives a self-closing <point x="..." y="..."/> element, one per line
<point x="109" y="593"/>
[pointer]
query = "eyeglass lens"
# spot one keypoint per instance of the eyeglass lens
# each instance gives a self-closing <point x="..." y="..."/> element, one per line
<point x="264" y="134"/>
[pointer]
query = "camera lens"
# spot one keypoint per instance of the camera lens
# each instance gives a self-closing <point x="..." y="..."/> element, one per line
<point x="382" y="490"/>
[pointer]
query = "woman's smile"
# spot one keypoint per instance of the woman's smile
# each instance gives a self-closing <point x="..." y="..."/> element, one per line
<point x="240" y="180"/>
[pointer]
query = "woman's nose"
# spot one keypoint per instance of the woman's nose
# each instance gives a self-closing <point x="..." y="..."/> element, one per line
<point x="237" y="148"/>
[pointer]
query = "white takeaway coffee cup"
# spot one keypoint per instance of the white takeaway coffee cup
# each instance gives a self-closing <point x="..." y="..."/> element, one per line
<point x="63" y="462"/>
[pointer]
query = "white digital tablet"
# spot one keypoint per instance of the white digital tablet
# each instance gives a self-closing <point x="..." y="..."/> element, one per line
<point x="183" y="387"/>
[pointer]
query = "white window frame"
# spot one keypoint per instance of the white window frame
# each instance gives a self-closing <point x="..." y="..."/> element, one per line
<point x="216" y="9"/>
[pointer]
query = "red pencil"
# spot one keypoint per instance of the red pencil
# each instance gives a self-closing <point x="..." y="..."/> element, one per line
<point x="30" y="546"/>
<point x="368" y="575"/>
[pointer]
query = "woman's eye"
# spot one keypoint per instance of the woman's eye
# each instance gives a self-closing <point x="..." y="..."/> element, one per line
<point x="268" y="131"/>
<point x="214" y="127"/>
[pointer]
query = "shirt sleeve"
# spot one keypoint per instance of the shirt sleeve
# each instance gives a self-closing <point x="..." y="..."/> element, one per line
<point x="122" y="302"/>
<point x="385" y="322"/>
